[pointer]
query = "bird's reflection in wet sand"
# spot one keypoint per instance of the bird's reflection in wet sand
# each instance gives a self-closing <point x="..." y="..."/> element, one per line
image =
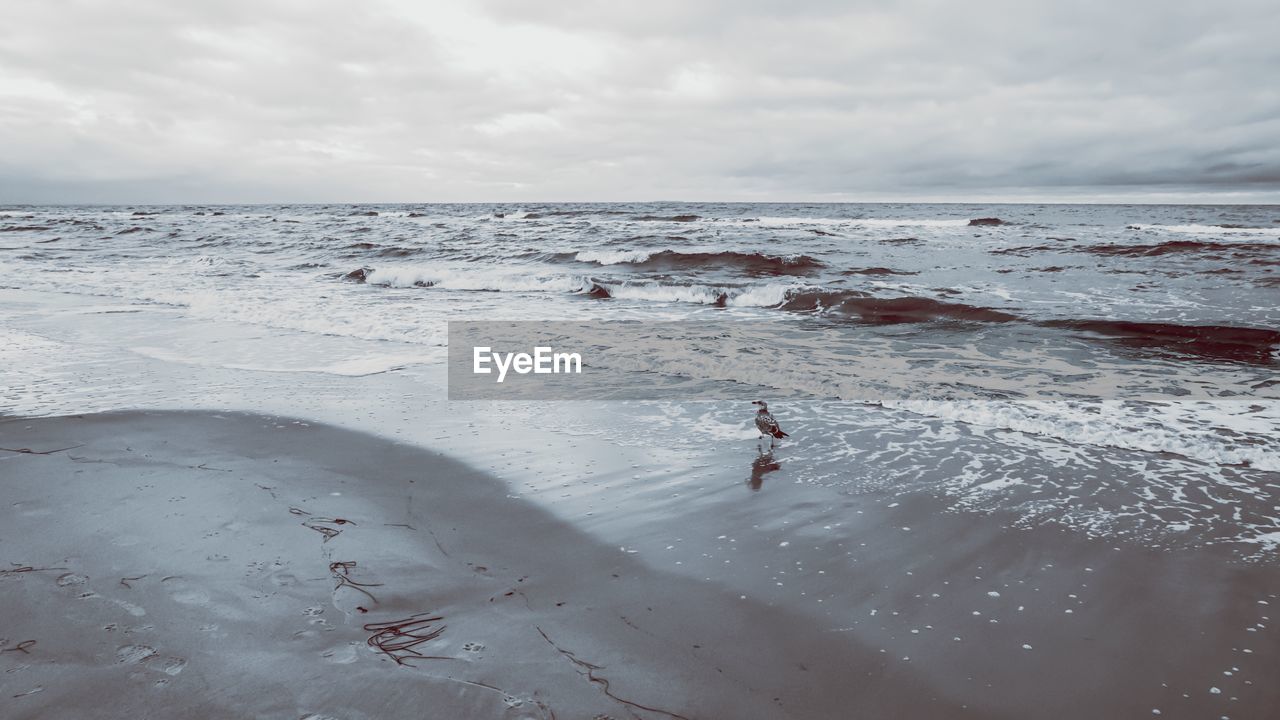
<point x="760" y="467"/>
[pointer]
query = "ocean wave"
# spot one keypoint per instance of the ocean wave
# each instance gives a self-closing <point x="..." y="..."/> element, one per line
<point x="763" y="296"/>
<point x="752" y="263"/>
<point x="877" y="271"/>
<point x="658" y="242"/>
<point x="1181" y="246"/>
<point x="720" y="296"/>
<point x="1188" y="428"/>
<point x="1224" y="342"/>
<point x="863" y="307"/>
<point x="376" y="250"/>
<point x="853" y="305"/>
<point x="773" y="221"/>
<point x="476" y="280"/>
<point x="1215" y="342"/>
<point x="667" y="218"/>
<point x="539" y="214"/>
<point x="609" y="257"/>
<point x="1196" y="229"/>
<point x="1219" y="248"/>
<point x="1184" y="428"/>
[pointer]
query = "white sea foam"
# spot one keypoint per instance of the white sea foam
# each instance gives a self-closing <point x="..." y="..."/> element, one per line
<point x="473" y="279"/>
<point x="513" y="281"/>
<point x="1251" y="232"/>
<point x="614" y="257"/>
<point x="752" y="296"/>
<point x="1189" y="429"/>
<point x="656" y="292"/>
<point x="770" y="221"/>
<point x="762" y="295"/>
<point x="892" y="223"/>
<point x="1267" y="542"/>
<point x="349" y="367"/>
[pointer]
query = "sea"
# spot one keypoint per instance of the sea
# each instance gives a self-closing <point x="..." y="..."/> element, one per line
<point x="1016" y="302"/>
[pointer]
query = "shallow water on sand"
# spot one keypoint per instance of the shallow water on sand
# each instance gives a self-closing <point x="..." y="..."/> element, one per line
<point x="1169" y="474"/>
<point x="920" y="531"/>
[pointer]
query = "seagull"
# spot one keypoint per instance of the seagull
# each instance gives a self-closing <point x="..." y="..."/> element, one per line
<point x="768" y="427"/>
<point x="765" y="421"/>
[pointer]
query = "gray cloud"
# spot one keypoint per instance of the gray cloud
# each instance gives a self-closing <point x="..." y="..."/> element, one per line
<point x="579" y="100"/>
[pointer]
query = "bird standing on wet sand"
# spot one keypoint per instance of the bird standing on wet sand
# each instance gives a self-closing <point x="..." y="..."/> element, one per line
<point x="769" y="430"/>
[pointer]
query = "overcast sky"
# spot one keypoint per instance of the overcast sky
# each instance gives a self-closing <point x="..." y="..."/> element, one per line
<point x="420" y="101"/>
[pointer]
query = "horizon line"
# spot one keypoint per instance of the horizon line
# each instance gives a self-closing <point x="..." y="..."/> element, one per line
<point x="637" y="202"/>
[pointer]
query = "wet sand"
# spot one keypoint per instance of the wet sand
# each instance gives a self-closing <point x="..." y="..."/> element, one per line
<point x="193" y="564"/>
<point x="184" y="564"/>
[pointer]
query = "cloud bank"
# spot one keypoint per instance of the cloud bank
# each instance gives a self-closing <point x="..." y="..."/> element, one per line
<point x="505" y="100"/>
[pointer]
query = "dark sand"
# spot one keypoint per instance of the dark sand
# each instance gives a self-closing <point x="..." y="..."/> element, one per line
<point x="156" y="569"/>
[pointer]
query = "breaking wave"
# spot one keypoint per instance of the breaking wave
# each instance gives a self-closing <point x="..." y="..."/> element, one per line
<point x="1194" y="229"/>
<point x="862" y="307"/>
<point x="1253" y="345"/>
<point x="1182" y="246"/>
<point x="752" y="263"/>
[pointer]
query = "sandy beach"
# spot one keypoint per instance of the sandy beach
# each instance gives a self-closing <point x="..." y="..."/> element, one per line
<point x="223" y="565"/>
<point x="199" y="564"/>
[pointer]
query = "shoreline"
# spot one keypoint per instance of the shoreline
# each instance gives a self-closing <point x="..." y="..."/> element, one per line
<point x="193" y="549"/>
<point x="186" y="546"/>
